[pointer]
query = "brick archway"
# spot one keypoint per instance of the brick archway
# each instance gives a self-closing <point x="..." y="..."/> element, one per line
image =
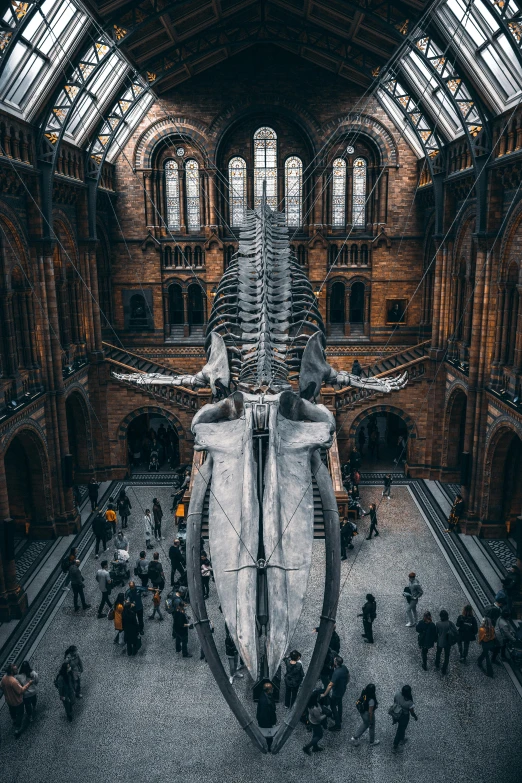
<point x="80" y="433"/>
<point x="453" y="414"/>
<point x="408" y="421"/>
<point x="183" y="439"/>
<point x="497" y="461"/>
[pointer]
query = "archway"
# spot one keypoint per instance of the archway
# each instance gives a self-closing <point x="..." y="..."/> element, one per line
<point x="337" y="311"/>
<point x="377" y="437"/>
<point x="357" y="303"/>
<point x="78" y="429"/>
<point x="505" y="467"/>
<point x="149" y="432"/>
<point x="196" y="309"/>
<point x="455" y="429"/>
<point x="176" y="314"/>
<point x="25" y="479"/>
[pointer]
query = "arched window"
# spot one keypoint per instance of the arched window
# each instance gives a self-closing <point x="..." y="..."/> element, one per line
<point x="168" y="256"/>
<point x="265" y="166"/>
<point x="293" y="191"/>
<point x="332" y="254"/>
<point x="192" y="191"/>
<point x="359" y="193"/>
<point x="354" y="254"/>
<point x="357" y="303"/>
<point x="237" y="186"/>
<point x="337" y="305"/>
<point x="172" y="195"/>
<point x="188" y="255"/>
<point x="364" y="255"/>
<point x="198" y="256"/>
<point x="301" y="255"/>
<point x="196" y="311"/>
<point x="176" y="314"/>
<point x="339" y="193"/>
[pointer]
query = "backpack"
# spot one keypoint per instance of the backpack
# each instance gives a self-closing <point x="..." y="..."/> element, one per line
<point x="169" y="604"/>
<point x="66" y="563"/>
<point x="360" y="704"/>
<point x="452" y="635"/>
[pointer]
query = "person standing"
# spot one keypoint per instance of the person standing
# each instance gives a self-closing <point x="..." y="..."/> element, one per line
<point x="156" y="605"/>
<point x="387" y="486"/>
<point x="135" y="595"/>
<point x="147" y="522"/>
<point x="206" y="573"/>
<point x="24" y="676"/>
<point x="141" y="569"/>
<point x="156" y="575"/>
<point x="366" y="705"/>
<point x="110" y="518"/>
<point x="368" y="614"/>
<point x="65" y="685"/>
<point x="130" y="629"/>
<point x="336" y="689"/>
<point x="92" y="489"/>
<point x="232" y="655"/>
<point x="124" y="508"/>
<point x="503" y="635"/>
<point x="412" y="592"/>
<point x="356" y="368"/>
<point x="294" y="676"/>
<point x="403" y="703"/>
<point x="99" y="528"/>
<point x="447" y="635"/>
<point x="75" y="577"/>
<point x="347" y="533"/>
<point x="317" y="719"/>
<point x="104" y="583"/>
<point x="427" y="637"/>
<point x="266" y="710"/>
<point x="456" y="514"/>
<point x="486" y="639"/>
<point x="157" y="513"/>
<point x="72" y="658"/>
<point x="118" y="612"/>
<point x="467" y="627"/>
<point x="177" y="561"/>
<point x="13" y="693"/>
<point x="372" y="511"/>
<point x="181" y="629"/>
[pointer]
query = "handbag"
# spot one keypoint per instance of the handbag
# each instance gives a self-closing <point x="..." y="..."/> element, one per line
<point x="110" y="615"/>
<point x="395" y="711"/>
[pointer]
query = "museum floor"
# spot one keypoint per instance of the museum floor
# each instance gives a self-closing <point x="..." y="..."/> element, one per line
<point x="158" y="717"/>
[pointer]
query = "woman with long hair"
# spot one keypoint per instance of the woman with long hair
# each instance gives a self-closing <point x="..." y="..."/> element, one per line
<point x="467" y="626"/>
<point x="25" y="674"/>
<point x="366" y="704"/>
<point x="316" y="718"/>
<point x="403" y="707"/>
<point x="118" y="611"/>
<point x="486" y="638"/>
<point x="65" y="684"/>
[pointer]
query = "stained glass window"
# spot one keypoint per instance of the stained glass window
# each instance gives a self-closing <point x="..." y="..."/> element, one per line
<point x="339" y="193"/>
<point x="359" y="193"/>
<point x="192" y="191"/>
<point x="293" y="191"/>
<point x="237" y="187"/>
<point x="265" y="166"/>
<point x="172" y="195"/>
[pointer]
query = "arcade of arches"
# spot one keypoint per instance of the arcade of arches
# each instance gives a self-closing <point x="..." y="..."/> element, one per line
<point x="414" y="259"/>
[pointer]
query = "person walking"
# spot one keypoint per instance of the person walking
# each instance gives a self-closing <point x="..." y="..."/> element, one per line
<point x="13" y="692"/>
<point x="468" y="628"/>
<point x="427" y="637"/>
<point x="206" y="573"/>
<point x="177" y="561"/>
<point x="456" y="514"/>
<point x="124" y="508"/>
<point x="147" y="523"/>
<point x="447" y="635"/>
<point x="372" y="511"/>
<point x="503" y="635"/>
<point x="72" y="658"/>
<point x="118" y="612"/>
<point x="412" y="592"/>
<point x="387" y="486"/>
<point x="122" y="542"/>
<point x="266" y="710"/>
<point x="336" y="689"/>
<point x="135" y="595"/>
<point x="156" y="575"/>
<point x="232" y="655"/>
<point x="181" y="629"/>
<point x="99" y="528"/>
<point x="486" y="639"/>
<point x="104" y="583"/>
<point x="317" y="719"/>
<point x="366" y="705"/>
<point x="368" y="614"/>
<point x="348" y="530"/>
<point x="64" y="682"/>
<point x="294" y="676"/>
<point x="141" y="569"/>
<point x="27" y="674"/>
<point x="402" y="708"/>
<point x="75" y="577"/>
<point x="92" y="490"/>
<point x="156" y="605"/>
<point x="130" y="625"/>
<point x="157" y="513"/>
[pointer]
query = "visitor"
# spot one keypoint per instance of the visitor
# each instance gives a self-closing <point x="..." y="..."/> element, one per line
<point x="232" y="655"/>
<point x="387" y="486"/>
<point x="99" y="528"/>
<point x="156" y="575"/>
<point x="355" y="461"/>
<point x="356" y="368"/>
<point x="373" y="444"/>
<point x="366" y="705"/>
<point x="412" y="592"/>
<point x="110" y="518"/>
<point x="403" y="707"/>
<point x="336" y="690"/>
<point x="362" y="440"/>
<point x="486" y="639"/>
<point x="181" y="629"/>
<point x="348" y="530"/>
<point x="494" y="610"/>
<point x="157" y="513"/>
<point x="317" y="719"/>
<point x="64" y="682"/>
<point x="135" y="595"/>
<point x="401" y="450"/>
<point x="266" y="710"/>
<point x="122" y="542"/>
<point x="75" y="577"/>
<point x="104" y="583"/>
<point x="511" y="584"/>
<point x="177" y="561"/>
<point x="130" y="625"/>
<point x="503" y="635"/>
<point x="124" y="507"/>
<point x="72" y="657"/>
<point x="156" y="605"/>
<point x="92" y="490"/>
<point x="456" y="514"/>
<point x="372" y="511"/>
<point x="427" y="638"/>
<point x="294" y="676"/>
<point x="206" y="573"/>
<point x="141" y="569"/>
<point x="147" y="522"/>
<point x="467" y="627"/>
<point x="447" y="635"/>
<point x="368" y="614"/>
<point x="13" y="693"/>
<point x="118" y="612"/>
<point x="26" y="674"/>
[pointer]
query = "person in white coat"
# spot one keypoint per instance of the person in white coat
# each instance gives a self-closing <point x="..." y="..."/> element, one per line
<point x="147" y="521"/>
<point x="412" y="592"/>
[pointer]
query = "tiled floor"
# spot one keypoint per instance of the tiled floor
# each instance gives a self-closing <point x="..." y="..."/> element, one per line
<point x="160" y="718"/>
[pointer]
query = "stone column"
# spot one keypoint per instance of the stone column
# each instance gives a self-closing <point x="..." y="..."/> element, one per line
<point x="23" y="296"/>
<point x="12" y="353"/>
<point x="443" y="299"/>
<point x="149" y="199"/>
<point x="13" y="600"/>
<point x="501" y="316"/>
<point x="166" y="318"/>
<point x="437" y="299"/>
<point x="347" y="311"/>
<point x="186" y="325"/>
<point x="517" y="362"/>
<point x="212" y="200"/>
<point x="92" y="283"/>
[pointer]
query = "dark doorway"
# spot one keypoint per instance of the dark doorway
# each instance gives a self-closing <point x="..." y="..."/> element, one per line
<point x="152" y="432"/>
<point x="196" y="312"/>
<point x="337" y="313"/>
<point x="378" y="438"/>
<point x="175" y="305"/>
<point x="77" y="430"/>
<point x="25" y="482"/>
<point x="357" y="303"/>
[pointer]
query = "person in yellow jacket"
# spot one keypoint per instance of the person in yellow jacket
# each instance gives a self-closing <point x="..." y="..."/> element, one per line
<point x="110" y="516"/>
<point x="118" y="611"/>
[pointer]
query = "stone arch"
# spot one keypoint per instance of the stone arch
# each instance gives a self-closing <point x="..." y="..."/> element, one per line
<point x="28" y="475"/>
<point x="150" y="409"/>
<point x="79" y="428"/>
<point x="503" y="463"/>
<point x="164" y="128"/>
<point x="406" y="418"/>
<point x="14" y="242"/>
<point x="364" y="125"/>
<point x="454" y="424"/>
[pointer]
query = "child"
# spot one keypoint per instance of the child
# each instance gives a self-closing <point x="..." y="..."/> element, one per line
<point x="156" y="602"/>
<point x="387" y="486"/>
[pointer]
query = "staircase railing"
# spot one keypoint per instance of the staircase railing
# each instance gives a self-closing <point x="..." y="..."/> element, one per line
<point x="396" y="358"/>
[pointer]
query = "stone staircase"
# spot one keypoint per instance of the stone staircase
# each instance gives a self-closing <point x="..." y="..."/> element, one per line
<point x="131" y="361"/>
<point x="396" y="360"/>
